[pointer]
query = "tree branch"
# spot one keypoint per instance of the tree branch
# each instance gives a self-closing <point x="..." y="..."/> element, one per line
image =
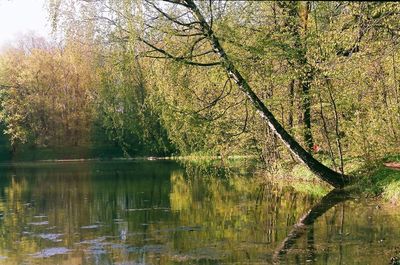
<point x="178" y="59"/>
<point x="174" y="20"/>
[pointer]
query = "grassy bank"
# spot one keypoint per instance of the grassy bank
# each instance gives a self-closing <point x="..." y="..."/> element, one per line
<point x="382" y="181"/>
<point x="372" y="179"/>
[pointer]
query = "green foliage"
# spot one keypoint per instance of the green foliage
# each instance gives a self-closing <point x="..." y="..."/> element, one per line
<point x="62" y="97"/>
<point x="125" y="110"/>
<point x="327" y="70"/>
<point x="382" y="180"/>
<point x="45" y="98"/>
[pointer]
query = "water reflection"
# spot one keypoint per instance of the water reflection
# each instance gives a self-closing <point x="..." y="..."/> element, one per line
<point x="305" y="224"/>
<point x="162" y="213"/>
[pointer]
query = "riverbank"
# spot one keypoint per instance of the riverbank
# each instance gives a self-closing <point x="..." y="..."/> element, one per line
<point x="383" y="181"/>
<point x="373" y="179"/>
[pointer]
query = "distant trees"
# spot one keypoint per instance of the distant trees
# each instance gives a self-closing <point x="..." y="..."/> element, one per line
<point x="125" y="107"/>
<point x="46" y="97"/>
<point x="64" y="95"/>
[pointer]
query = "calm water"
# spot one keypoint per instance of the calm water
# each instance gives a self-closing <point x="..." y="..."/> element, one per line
<point x="161" y="213"/>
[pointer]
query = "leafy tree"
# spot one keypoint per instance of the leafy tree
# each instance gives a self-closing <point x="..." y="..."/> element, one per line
<point x="46" y="100"/>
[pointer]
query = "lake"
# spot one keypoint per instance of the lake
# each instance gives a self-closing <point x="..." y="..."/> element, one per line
<point x="163" y="212"/>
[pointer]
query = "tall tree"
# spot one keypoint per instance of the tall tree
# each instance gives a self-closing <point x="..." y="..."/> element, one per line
<point x="296" y="24"/>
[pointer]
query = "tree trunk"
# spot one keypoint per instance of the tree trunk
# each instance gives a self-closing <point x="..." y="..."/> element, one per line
<point x="307" y="77"/>
<point x="291" y="102"/>
<point x="296" y="23"/>
<point x="334" y="178"/>
<point x="308" y="138"/>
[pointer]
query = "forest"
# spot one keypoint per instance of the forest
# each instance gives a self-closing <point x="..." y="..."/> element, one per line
<point x="202" y="132"/>
<point x="179" y="78"/>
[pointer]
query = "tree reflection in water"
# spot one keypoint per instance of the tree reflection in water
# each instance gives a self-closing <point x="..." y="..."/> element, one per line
<point x="161" y="213"/>
<point x="305" y="224"/>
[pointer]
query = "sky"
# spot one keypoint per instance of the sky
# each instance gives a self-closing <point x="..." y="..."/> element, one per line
<point x="20" y="17"/>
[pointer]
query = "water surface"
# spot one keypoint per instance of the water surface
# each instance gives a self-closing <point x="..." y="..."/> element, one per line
<point x="159" y="212"/>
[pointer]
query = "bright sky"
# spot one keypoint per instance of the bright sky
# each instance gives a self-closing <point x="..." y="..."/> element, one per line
<point x="20" y="17"/>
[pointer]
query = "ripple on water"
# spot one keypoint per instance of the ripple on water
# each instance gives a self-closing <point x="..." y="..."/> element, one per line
<point x="188" y="228"/>
<point x="39" y="223"/>
<point x="40" y="216"/>
<point x="129" y="263"/>
<point x="90" y="226"/>
<point x="157" y="249"/>
<point x="165" y="209"/>
<point x="51" y="237"/>
<point x="49" y="252"/>
<point x="93" y="241"/>
<point x="119" y="246"/>
<point x="96" y="250"/>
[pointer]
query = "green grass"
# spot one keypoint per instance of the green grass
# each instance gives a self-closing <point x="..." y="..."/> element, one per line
<point x="316" y="190"/>
<point x="301" y="172"/>
<point x="382" y="181"/>
<point x="297" y="176"/>
<point x="372" y="179"/>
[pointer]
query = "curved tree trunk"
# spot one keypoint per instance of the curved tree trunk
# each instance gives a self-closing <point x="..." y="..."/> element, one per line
<point x="332" y="177"/>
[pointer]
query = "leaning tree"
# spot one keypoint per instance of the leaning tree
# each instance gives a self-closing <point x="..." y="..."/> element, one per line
<point x="151" y="23"/>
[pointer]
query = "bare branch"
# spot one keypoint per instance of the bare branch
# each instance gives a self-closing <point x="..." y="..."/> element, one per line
<point x="173" y="19"/>
<point x="176" y="2"/>
<point x="178" y="59"/>
<point x="195" y="44"/>
<point x="244" y="128"/>
<point x="175" y="32"/>
<point x="215" y="101"/>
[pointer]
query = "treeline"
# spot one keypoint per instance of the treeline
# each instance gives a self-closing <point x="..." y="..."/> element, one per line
<point x="139" y="71"/>
<point x="46" y="97"/>
<point x="67" y="96"/>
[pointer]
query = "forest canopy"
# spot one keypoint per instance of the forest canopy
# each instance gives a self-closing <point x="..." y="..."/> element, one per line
<point x="144" y="75"/>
